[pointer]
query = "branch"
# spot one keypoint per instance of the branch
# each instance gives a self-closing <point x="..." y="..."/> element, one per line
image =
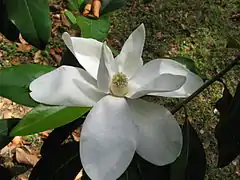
<point x="206" y="84"/>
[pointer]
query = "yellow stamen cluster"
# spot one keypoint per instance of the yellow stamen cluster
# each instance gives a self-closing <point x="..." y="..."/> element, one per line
<point x="120" y="80"/>
<point x="119" y="84"/>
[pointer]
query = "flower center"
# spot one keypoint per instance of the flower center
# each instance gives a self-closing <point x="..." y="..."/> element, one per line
<point x="119" y="84"/>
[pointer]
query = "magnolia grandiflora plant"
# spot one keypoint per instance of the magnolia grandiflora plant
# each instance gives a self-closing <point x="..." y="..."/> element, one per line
<point x="119" y="123"/>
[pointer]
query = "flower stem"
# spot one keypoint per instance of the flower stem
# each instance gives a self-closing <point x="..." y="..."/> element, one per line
<point x="206" y="84"/>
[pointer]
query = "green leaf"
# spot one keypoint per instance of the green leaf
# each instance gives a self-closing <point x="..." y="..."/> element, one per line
<point x="190" y="64"/>
<point x="6" y="174"/>
<point x="69" y="59"/>
<point x="61" y="165"/>
<point x="94" y="28"/>
<point x="178" y="168"/>
<point x="14" y="82"/>
<point x="139" y="168"/>
<point x="32" y="19"/>
<point x="72" y="19"/>
<point x="114" y="51"/>
<point x="59" y="135"/>
<point x="7" y="28"/>
<point x="74" y="5"/>
<point x="196" y="167"/>
<point x="80" y="2"/>
<point x="227" y="129"/>
<point x="191" y="164"/>
<point x="6" y="125"/>
<point x="43" y="117"/>
<point x="112" y="5"/>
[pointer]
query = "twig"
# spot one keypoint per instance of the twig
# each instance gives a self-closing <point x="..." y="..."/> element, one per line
<point x="206" y="84"/>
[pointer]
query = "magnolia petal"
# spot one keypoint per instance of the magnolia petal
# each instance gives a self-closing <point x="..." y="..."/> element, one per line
<point x="108" y="139"/>
<point x="129" y="60"/>
<point x="152" y="79"/>
<point x="86" y="50"/>
<point x="162" y="83"/>
<point x="192" y="83"/>
<point x="106" y="69"/>
<point x="159" y="135"/>
<point x="67" y="86"/>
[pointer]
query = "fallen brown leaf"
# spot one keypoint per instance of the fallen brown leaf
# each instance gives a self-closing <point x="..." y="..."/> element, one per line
<point x="22" y="40"/>
<point x="26" y="158"/>
<point x="17" y="140"/>
<point x="1" y="52"/>
<point x="58" y="50"/>
<point x="37" y="56"/>
<point x="6" y="150"/>
<point x="1" y="38"/>
<point x="23" y="176"/>
<point x="238" y="172"/>
<point x="64" y="20"/>
<point x="44" y="134"/>
<point x="76" y="136"/>
<point x="15" y="61"/>
<point x="160" y="35"/>
<point x="24" y="47"/>
<point x="57" y="57"/>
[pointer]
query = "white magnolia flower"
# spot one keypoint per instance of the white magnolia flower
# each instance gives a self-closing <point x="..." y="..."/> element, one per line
<point x="119" y="123"/>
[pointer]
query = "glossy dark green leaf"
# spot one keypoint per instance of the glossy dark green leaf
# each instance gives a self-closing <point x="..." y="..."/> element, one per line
<point x="6" y="125"/>
<point x="32" y="19"/>
<point x="63" y="164"/>
<point x="94" y="28"/>
<point x="191" y="164"/>
<point x="14" y="82"/>
<point x="5" y="173"/>
<point x="4" y="140"/>
<point x="178" y="168"/>
<point x="74" y="5"/>
<point x="7" y="28"/>
<point x="85" y="176"/>
<point x="72" y="19"/>
<point x="42" y="118"/>
<point x="190" y="64"/>
<point x="148" y="170"/>
<point x="69" y="59"/>
<point x="132" y="172"/>
<point x="112" y="5"/>
<point x="59" y="135"/>
<point x="227" y="129"/>
<point x="70" y="16"/>
<point x="196" y="167"/>
<point x="223" y="104"/>
<point x="140" y="169"/>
